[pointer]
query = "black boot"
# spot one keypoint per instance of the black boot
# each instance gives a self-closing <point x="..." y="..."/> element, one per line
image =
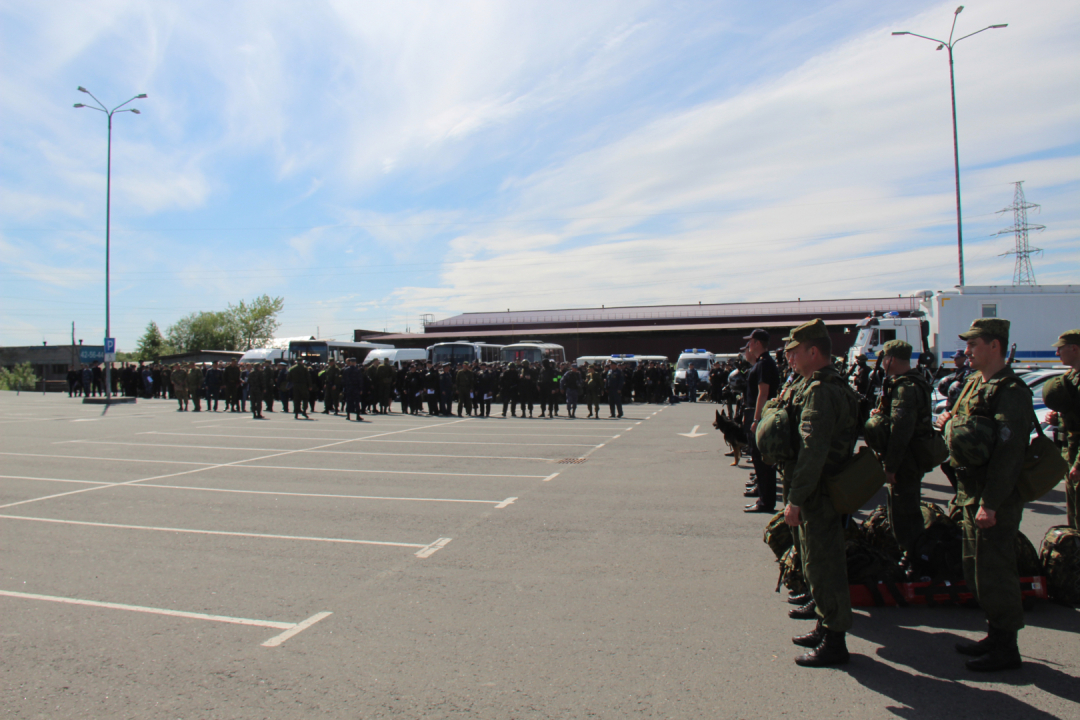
<point x="832" y="651"/>
<point x="800" y="599"/>
<point x="803" y="612"/>
<point x="1002" y="655"/>
<point x="975" y="649"/>
<point x="811" y="639"/>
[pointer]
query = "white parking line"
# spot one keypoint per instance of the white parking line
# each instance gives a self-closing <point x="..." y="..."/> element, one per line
<point x="185" y="472"/>
<point x="378" y="472"/>
<point x="313" y="452"/>
<point x="108" y="459"/>
<point x="265" y="536"/>
<point x="290" y="629"/>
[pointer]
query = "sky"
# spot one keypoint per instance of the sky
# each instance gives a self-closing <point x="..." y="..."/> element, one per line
<point x="376" y="162"/>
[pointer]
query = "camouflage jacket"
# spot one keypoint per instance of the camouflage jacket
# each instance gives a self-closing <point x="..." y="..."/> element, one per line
<point x="827" y="411"/>
<point x="906" y="402"/>
<point x="195" y="378"/>
<point x="1005" y="399"/>
<point x="1070" y="420"/>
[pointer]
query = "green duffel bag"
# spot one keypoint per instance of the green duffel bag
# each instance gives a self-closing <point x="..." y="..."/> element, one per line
<point x="929" y="451"/>
<point x="970" y="439"/>
<point x="876" y="432"/>
<point x="856" y="482"/>
<point x="1044" y="467"/>
<point x="775" y="436"/>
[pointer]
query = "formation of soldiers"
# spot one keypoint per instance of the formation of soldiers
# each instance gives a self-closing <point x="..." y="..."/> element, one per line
<point x="818" y="440"/>
<point x="419" y="387"/>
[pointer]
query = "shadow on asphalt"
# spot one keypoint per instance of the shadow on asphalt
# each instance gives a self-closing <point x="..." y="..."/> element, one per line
<point x="935" y="691"/>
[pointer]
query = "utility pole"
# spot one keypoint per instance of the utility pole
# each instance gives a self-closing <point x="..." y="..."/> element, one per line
<point x="1023" y="274"/>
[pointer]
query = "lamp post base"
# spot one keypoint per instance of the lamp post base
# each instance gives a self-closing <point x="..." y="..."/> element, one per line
<point x="109" y="401"/>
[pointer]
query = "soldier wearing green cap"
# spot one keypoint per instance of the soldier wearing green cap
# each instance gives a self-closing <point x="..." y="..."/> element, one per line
<point x="825" y="412"/>
<point x="1062" y="396"/>
<point x="987" y="432"/>
<point x="902" y="416"/>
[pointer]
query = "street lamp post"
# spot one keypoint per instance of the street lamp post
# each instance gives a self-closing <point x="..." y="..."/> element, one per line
<point x="956" y="145"/>
<point x="108" y="198"/>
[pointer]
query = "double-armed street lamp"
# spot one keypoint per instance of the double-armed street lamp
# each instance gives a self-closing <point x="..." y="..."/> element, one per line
<point x="108" y="193"/>
<point x="949" y="44"/>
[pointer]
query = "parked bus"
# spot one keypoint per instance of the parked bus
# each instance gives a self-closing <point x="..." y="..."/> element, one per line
<point x="534" y="351"/>
<point x="627" y="359"/>
<point x="396" y="356"/>
<point x="323" y="350"/>
<point x="463" y="351"/>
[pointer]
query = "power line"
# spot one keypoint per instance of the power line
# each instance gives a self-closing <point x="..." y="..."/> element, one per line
<point x="1023" y="274"/>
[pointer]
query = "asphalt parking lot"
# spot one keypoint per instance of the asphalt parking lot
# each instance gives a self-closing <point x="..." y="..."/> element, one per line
<point x="159" y="564"/>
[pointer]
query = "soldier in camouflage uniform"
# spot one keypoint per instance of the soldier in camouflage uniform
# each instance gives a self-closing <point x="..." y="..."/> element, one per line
<point x="826" y="414"/>
<point x="1068" y="349"/>
<point x="256" y="390"/>
<point x="905" y="400"/>
<point x="300" y="380"/>
<point x="194" y="384"/>
<point x="331" y="387"/>
<point x="987" y="493"/>
<point x="179" y="381"/>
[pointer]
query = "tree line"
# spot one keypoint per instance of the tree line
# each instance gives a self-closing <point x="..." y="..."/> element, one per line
<point x="238" y="327"/>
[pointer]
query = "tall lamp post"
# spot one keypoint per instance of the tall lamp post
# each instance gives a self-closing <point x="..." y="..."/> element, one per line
<point x="949" y="44"/>
<point x="108" y="195"/>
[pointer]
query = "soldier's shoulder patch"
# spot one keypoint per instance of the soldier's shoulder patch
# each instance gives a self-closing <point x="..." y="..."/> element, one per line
<point x="900" y="413"/>
<point x="806" y="428"/>
<point x="1005" y="433"/>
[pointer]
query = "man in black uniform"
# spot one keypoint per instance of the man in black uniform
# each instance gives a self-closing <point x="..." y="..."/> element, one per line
<point x="352" y="381"/>
<point x="763" y="383"/>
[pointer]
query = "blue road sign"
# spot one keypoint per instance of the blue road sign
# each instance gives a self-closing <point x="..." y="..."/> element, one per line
<point x="110" y="349"/>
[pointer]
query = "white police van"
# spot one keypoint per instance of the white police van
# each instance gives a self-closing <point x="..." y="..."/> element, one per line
<point x="693" y="360"/>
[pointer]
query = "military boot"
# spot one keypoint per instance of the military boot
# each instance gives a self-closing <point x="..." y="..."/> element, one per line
<point x="800" y="599"/>
<point x="975" y="649"/>
<point x="832" y="651"/>
<point x="811" y="639"/>
<point x="1002" y="655"/>
<point x="803" y="612"/>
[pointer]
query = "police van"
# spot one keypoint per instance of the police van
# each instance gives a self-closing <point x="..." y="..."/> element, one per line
<point x="693" y="360"/>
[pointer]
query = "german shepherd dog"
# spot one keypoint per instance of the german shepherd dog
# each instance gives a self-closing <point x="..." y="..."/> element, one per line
<point x="734" y="434"/>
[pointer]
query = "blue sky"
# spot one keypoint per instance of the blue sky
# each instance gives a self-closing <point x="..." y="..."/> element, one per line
<point x="371" y="162"/>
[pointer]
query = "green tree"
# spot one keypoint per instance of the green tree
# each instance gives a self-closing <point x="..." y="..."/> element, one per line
<point x="20" y="377"/>
<point x="204" y="331"/>
<point x="152" y="344"/>
<point x="256" y="322"/>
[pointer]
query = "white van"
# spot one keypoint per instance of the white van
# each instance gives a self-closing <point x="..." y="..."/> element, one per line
<point x="396" y="356"/>
<point x="698" y="359"/>
<point x="257" y="355"/>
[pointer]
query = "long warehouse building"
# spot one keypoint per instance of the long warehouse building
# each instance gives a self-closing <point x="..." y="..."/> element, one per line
<point x="650" y="330"/>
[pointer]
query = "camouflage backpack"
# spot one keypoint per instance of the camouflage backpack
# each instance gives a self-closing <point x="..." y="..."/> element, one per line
<point x="877" y="531"/>
<point x="866" y="565"/>
<point x="791" y="575"/>
<point x="937" y="553"/>
<point x="778" y="535"/>
<point x="1061" y="559"/>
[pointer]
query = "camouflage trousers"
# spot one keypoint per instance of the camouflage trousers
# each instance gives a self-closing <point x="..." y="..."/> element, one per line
<point x="990" y="564"/>
<point x="1071" y="488"/>
<point x="824" y="559"/>
<point x="905" y="512"/>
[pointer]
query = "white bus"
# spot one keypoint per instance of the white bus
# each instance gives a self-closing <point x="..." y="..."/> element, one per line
<point x="534" y="351"/>
<point x="323" y="350"/>
<point x="628" y="359"/>
<point x="463" y="351"/>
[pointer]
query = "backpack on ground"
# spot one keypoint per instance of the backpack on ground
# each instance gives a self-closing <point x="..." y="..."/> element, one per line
<point x="1060" y="558"/>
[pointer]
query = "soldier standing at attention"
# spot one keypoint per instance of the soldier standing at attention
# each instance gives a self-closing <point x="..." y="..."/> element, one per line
<point x="331" y="387"/>
<point x="179" y="381"/>
<point x="826" y="412"/>
<point x="1068" y="349"/>
<point x="269" y="373"/>
<point x="352" y="379"/>
<point x="384" y="376"/>
<point x="465" y="382"/>
<point x="300" y="380"/>
<point x="231" y="376"/>
<point x="508" y="386"/>
<point x="256" y="390"/>
<point x="594" y="388"/>
<point x="905" y="401"/>
<point x="613" y="383"/>
<point x="194" y="384"/>
<point x="988" y="464"/>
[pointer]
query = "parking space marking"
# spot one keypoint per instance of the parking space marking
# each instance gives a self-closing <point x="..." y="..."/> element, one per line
<point x="499" y="504"/>
<point x="377" y="472"/>
<point x="433" y="548"/>
<point x="543" y="435"/>
<point x="27" y="477"/>
<point x="313" y="452"/>
<point x="185" y="472"/>
<point x="84" y="457"/>
<point x="458" y="442"/>
<point x="290" y="629"/>
<point x="265" y="536"/>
